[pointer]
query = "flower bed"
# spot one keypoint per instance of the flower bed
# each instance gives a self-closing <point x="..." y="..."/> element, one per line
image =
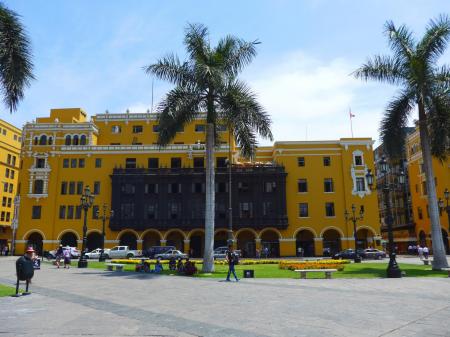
<point x="322" y="264"/>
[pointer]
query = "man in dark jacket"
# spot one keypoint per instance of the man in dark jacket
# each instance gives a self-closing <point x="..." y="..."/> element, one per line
<point x="25" y="269"/>
<point x="230" y="256"/>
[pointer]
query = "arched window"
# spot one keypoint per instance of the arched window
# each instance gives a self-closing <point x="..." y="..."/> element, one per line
<point x="43" y="140"/>
<point x="36" y="140"/>
<point x="50" y="140"/>
<point x="75" y="140"/>
<point x="68" y="140"/>
<point x="83" y="140"/>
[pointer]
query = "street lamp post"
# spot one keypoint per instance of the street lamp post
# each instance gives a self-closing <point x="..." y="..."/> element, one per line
<point x="393" y="270"/>
<point x="15" y="224"/>
<point x="104" y="217"/>
<point x="355" y="218"/>
<point x="87" y="199"/>
<point x="230" y="207"/>
<point x="447" y="207"/>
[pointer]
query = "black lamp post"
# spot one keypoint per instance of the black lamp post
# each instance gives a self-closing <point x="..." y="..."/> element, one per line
<point x="393" y="270"/>
<point x="355" y="218"/>
<point x="104" y="217"/>
<point x="230" y="207"/>
<point x="87" y="199"/>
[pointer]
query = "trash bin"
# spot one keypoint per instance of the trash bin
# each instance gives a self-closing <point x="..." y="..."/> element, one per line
<point x="249" y="273"/>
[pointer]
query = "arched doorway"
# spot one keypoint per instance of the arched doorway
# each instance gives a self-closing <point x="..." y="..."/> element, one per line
<point x="128" y="239"/>
<point x="94" y="240"/>
<point x="175" y="238"/>
<point x="364" y="238"/>
<point x="445" y="238"/>
<point x="246" y="243"/>
<point x="151" y="239"/>
<point x="35" y="240"/>
<point x="305" y="241"/>
<point x="197" y="244"/>
<point x="69" y="239"/>
<point x="270" y="240"/>
<point x="422" y="238"/>
<point x="331" y="242"/>
<point x="220" y="239"/>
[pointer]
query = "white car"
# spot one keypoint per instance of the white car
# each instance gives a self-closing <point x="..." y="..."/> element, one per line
<point x="171" y="253"/>
<point x="95" y="254"/>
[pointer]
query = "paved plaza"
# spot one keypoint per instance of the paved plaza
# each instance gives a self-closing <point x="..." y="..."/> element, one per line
<point x="93" y="302"/>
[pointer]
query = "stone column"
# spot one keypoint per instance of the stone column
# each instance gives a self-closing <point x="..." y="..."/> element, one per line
<point x="163" y="242"/>
<point x="139" y="244"/>
<point x="318" y="246"/>
<point x="287" y="247"/>
<point x="186" y="246"/>
<point x="258" y="244"/>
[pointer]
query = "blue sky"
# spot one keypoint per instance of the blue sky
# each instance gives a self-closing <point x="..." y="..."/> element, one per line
<point x="90" y="54"/>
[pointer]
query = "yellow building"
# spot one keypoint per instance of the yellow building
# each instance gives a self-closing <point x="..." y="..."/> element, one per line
<point x="417" y="184"/>
<point x="293" y="196"/>
<point x="10" y="142"/>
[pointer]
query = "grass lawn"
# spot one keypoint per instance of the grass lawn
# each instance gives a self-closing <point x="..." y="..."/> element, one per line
<point x="6" y="290"/>
<point x="359" y="270"/>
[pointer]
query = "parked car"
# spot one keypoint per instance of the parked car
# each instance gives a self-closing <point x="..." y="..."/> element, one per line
<point x="220" y="252"/>
<point x="171" y="253"/>
<point x="74" y="253"/>
<point x="152" y="251"/>
<point x="121" y="252"/>
<point x="95" y="254"/>
<point x="371" y="253"/>
<point x="348" y="254"/>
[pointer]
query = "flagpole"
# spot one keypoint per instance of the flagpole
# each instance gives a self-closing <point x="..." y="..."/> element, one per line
<point x="351" y="123"/>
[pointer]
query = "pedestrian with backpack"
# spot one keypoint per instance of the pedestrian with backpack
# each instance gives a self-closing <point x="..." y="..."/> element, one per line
<point x="232" y="260"/>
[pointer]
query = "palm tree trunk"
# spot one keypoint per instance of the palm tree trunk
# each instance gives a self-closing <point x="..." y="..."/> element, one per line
<point x="208" y="257"/>
<point x="439" y="258"/>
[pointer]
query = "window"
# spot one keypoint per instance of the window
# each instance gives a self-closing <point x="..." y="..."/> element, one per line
<point x="180" y="128"/>
<point x="72" y="187"/>
<point x="65" y="163"/>
<point x="98" y="162"/>
<point x="221" y="162"/>
<point x="302" y="186"/>
<point x="199" y="162"/>
<point x="43" y="140"/>
<point x="64" y="187"/>
<point x="428" y="212"/>
<point x="79" y="187"/>
<point x="8" y="214"/>
<point x="221" y="211"/>
<point x="96" y="187"/>
<point x="151" y="211"/>
<point x="153" y="163"/>
<point x="303" y="210"/>
<point x="12" y="174"/>
<point x="70" y="212"/>
<point x="68" y="140"/>
<point x="83" y="140"/>
<point x="358" y="160"/>
<point x="40" y="163"/>
<point x="4" y="202"/>
<point x="4" y="132"/>
<point x="5" y="187"/>
<point x="246" y="210"/>
<point x="417" y="188"/>
<point x="128" y="189"/>
<point x="174" y="210"/>
<point x="301" y="161"/>
<point x="14" y="161"/>
<point x="328" y="185"/>
<point x="38" y="186"/>
<point x="175" y="162"/>
<point x="270" y="186"/>
<point x="116" y="129"/>
<point x="9" y="202"/>
<point x="329" y="209"/>
<point x="11" y="186"/>
<point x="151" y="188"/>
<point x="36" y="212"/>
<point x="326" y="161"/>
<point x="243" y="186"/>
<point x="7" y="173"/>
<point x="78" y="212"/>
<point x="8" y="160"/>
<point x="81" y="163"/>
<point x="424" y="188"/>
<point x="130" y="163"/>
<point x="95" y="212"/>
<point x="50" y="140"/>
<point x="174" y="188"/>
<point x="137" y="128"/>
<point x="75" y="140"/>
<point x="267" y="208"/>
<point x="199" y="127"/>
<point x="198" y="188"/>
<point x="15" y="137"/>
<point x="360" y="184"/>
<point x="419" y="213"/>
<point x="2" y="218"/>
<point x="155" y="128"/>
<point x="73" y="163"/>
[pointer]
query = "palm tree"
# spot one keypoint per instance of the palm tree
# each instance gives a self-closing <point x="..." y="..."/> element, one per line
<point x="206" y="86"/>
<point x="15" y="58"/>
<point x="425" y="86"/>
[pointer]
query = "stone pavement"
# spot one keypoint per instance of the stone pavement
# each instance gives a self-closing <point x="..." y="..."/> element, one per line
<point x="97" y="303"/>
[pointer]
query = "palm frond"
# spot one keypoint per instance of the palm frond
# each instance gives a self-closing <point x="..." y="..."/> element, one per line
<point x="435" y="40"/>
<point x="382" y="69"/>
<point x="400" y="40"/>
<point x="236" y="53"/>
<point x="438" y="118"/>
<point x="195" y="42"/>
<point x="394" y="122"/>
<point x="442" y="77"/>
<point x="16" y="67"/>
<point x="170" y="68"/>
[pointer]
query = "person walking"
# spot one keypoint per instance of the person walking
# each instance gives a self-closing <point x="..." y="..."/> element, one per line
<point x="231" y="259"/>
<point x="66" y="253"/>
<point x="420" y="252"/>
<point x="25" y="270"/>
<point x="6" y="250"/>
<point x="425" y="252"/>
<point x="59" y="255"/>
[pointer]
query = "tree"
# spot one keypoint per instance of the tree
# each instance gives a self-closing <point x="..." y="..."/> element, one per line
<point x="206" y="86"/>
<point x="425" y="87"/>
<point x="15" y="58"/>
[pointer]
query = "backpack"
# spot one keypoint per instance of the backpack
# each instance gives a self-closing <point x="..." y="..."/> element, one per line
<point x="235" y="258"/>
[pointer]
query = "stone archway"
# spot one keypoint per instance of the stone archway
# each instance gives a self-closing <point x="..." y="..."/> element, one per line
<point x="94" y="240"/>
<point x="176" y="239"/>
<point x="364" y="238"/>
<point x="220" y="239"/>
<point x="35" y="240"/>
<point x="197" y="243"/>
<point x="305" y="241"/>
<point x="69" y="239"/>
<point x="331" y="242"/>
<point x="270" y="243"/>
<point x="150" y="239"/>
<point x="246" y="243"/>
<point x="128" y="239"/>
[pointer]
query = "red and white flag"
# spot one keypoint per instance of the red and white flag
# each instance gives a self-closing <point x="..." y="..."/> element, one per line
<point x="350" y="112"/>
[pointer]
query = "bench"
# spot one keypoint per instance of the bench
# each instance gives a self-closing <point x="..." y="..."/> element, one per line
<point x="447" y="270"/>
<point x="118" y="266"/>
<point x="327" y="272"/>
